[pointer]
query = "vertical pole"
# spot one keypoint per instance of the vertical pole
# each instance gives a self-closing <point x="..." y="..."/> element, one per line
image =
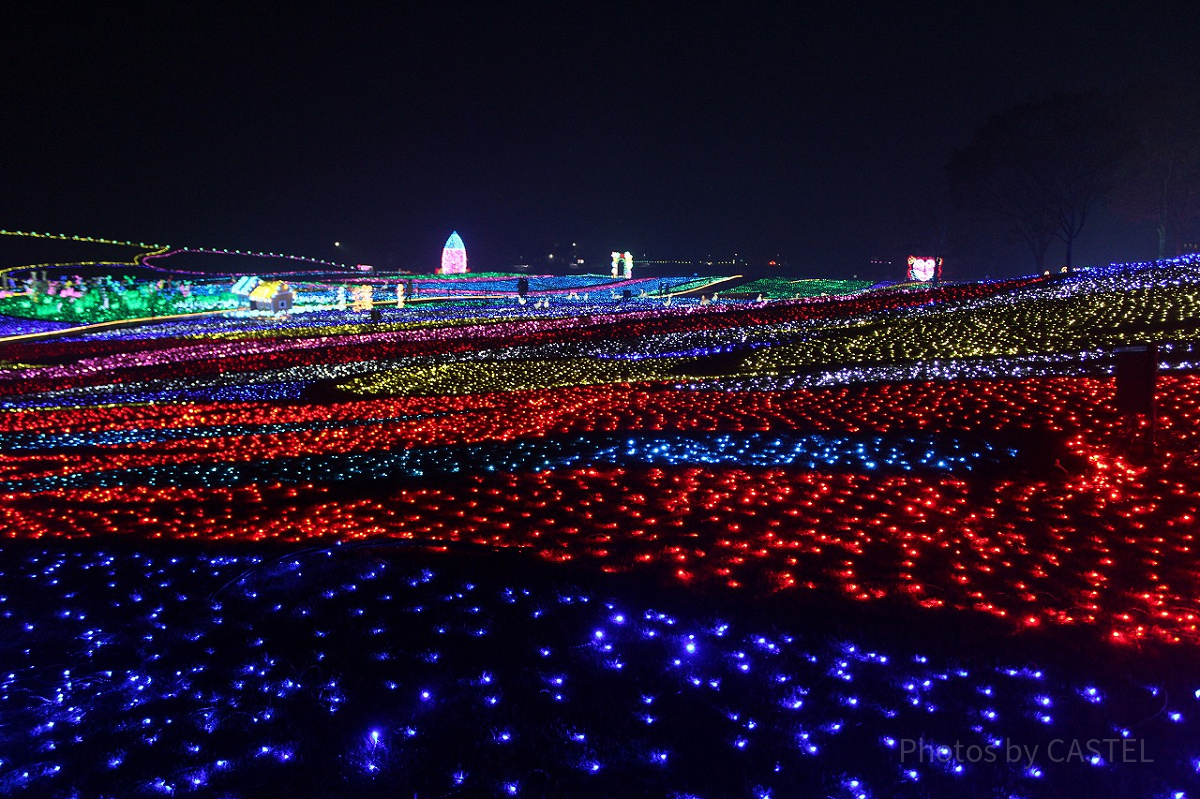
<point x="1152" y="404"/>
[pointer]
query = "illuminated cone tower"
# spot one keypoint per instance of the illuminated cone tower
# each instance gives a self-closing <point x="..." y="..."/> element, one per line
<point x="454" y="256"/>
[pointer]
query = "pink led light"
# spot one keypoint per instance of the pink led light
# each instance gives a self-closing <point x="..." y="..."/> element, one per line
<point x="454" y="256"/>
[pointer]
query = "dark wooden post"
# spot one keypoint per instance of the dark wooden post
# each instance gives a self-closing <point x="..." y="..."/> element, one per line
<point x="1137" y="376"/>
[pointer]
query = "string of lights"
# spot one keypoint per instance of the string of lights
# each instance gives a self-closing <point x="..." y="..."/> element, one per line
<point x="199" y="592"/>
<point x="255" y="670"/>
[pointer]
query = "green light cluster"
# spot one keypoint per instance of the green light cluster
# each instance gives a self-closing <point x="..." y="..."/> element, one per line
<point x="465" y="276"/>
<point x="90" y="239"/>
<point x="778" y="288"/>
<point x="109" y="300"/>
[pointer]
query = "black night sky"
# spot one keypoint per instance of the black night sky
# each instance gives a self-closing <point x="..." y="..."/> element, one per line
<point x="817" y="131"/>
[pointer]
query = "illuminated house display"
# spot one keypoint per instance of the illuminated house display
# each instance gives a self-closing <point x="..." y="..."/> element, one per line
<point x="924" y="270"/>
<point x="454" y="256"/>
<point x="272" y="295"/>
<point x="245" y="286"/>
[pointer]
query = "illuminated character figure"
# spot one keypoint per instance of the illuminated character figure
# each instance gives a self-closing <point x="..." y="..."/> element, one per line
<point x="627" y="258"/>
<point x="616" y="263"/>
<point x="454" y="256"/>
<point x="363" y="298"/>
<point x="924" y="270"/>
<point x="399" y="295"/>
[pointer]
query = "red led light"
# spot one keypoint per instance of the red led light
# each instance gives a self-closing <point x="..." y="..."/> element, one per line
<point x="1096" y="541"/>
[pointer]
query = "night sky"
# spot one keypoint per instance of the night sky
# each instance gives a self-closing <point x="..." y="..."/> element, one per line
<point x="815" y="131"/>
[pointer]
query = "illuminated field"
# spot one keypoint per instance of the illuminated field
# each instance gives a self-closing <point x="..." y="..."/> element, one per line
<point x="606" y="546"/>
